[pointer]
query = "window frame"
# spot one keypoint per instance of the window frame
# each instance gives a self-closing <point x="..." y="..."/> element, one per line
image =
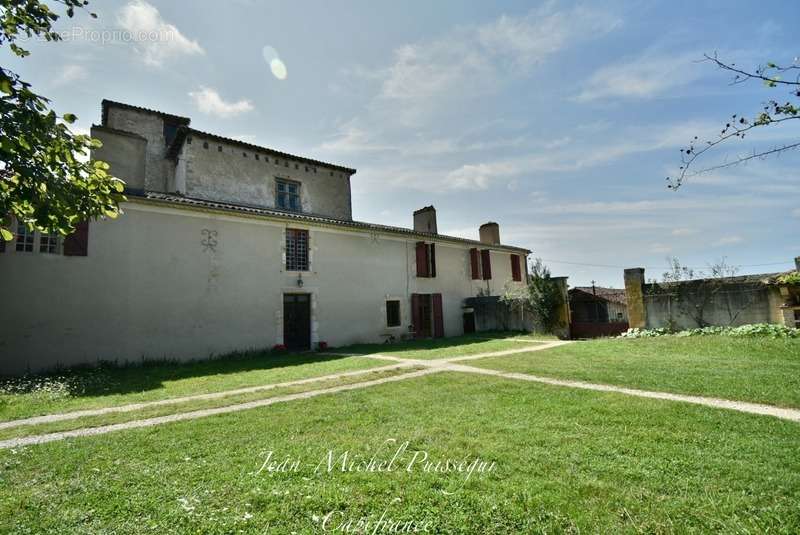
<point x="399" y="323"/>
<point x="292" y="253"/>
<point x="290" y="196"/>
<point x="24" y="239"/>
<point x="49" y="243"/>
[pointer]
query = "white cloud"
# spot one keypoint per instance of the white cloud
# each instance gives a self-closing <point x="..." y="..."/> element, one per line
<point x="683" y="231"/>
<point x="646" y="76"/>
<point x="477" y="177"/>
<point x="660" y="248"/>
<point x="209" y="101"/>
<point x="796" y="212"/>
<point x="155" y="39"/>
<point x="727" y="240"/>
<point x="426" y="77"/>
<point x="70" y="73"/>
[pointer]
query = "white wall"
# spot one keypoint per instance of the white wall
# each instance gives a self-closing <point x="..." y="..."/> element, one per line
<point x="150" y="288"/>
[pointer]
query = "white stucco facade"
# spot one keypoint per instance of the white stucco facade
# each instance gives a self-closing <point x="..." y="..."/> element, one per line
<point x="178" y="281"/>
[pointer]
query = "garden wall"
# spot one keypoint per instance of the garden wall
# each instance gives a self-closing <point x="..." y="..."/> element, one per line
<point x="698" y="303"/>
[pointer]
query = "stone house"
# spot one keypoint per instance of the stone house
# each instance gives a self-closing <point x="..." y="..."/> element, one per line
<point x="226" y="246"/>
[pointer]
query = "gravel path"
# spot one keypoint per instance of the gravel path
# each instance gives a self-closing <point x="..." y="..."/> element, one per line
<point x="430" y="366"/>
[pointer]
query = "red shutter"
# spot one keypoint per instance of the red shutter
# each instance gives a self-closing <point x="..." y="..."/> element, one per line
<point x="486" y="264"/>
<point x="77" y="243"/>
<point x="515" y="273"/>
<point x="473" y="263"/>
<point x="422" y="259"/>
<point x="438" y="319"/>
<point x="433" y="260"/>
<point x="415" y="315"/>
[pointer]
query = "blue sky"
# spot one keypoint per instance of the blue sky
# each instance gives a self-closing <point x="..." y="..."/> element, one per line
<point x="559" y="120"/>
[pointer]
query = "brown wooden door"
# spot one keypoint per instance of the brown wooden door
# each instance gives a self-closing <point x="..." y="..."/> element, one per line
<point x="297" y="321"/>
<point x="422" y="315"/>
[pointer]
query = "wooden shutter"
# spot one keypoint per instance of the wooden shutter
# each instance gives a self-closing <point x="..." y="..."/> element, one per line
<point x="422" y="259"/>
<point x="473" y="263"/>
<point x="486" y="264"/>
<point x="433" y="259"/>
<point x="77" y="243"/>
<point x="515" y="272"/>
<point x="415" y="315"/>
<point x="438" y="319"/>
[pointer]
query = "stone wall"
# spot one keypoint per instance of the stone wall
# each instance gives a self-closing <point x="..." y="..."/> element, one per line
<point x="699" y="303"/>
<point x="217" y="170"/>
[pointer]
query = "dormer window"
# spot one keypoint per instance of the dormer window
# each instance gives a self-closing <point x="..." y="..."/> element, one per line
<point x="287" y="195"/>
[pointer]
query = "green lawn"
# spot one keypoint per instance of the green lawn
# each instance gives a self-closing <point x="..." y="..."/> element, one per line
<point x="763" y="370"/>
<point x="566" y="460"/>
<point x="193" y="405"/>
<point x="439" y="348"/>
<point x="105" y="387"/>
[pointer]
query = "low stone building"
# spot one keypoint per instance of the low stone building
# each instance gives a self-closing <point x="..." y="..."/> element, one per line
<point x="597" y="311"/>
<point x="729" y="301"/>
<point x="225" y="246"/>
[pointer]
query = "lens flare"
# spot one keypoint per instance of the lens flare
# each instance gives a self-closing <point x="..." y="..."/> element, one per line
<point x="278" y="69"/>
<point x="276" y="65"/>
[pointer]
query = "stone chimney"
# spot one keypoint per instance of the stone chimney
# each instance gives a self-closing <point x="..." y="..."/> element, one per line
<point x="425" y="220"/>
<point x="490" y="233"/>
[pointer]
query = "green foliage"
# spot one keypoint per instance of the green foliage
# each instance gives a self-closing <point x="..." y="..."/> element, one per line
<point x="46" y="179"/>
<point x="545" y="296"/>
<point x="753" y="330"/>
<point x="792" y="278"/>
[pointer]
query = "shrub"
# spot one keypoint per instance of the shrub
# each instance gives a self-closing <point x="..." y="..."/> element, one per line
<point x="792" y="278"/>
<point x="754" y="330"/>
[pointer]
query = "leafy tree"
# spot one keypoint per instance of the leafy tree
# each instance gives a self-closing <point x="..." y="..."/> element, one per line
<point x="46" y="179"/>
<point x="772" y="113"/>
<point x="542" y="296"/>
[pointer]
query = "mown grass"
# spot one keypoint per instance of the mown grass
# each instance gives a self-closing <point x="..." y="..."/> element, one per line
<point x="439" y="348"/>
<point x="763" y="370"/>
<point x="106" y="386"/>
<point x="566" y="460"/>
<point x="112" y="386"/>
<point x="193" y="405"/>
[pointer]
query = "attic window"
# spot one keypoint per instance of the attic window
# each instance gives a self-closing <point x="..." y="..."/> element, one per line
<point x="170" y="129"/>
<point x="219" y="148"/>
<point x="256" y="156"/>
<point x="287" y="195"/>
<point x="205" y="144"/>
<point x="286" y="164"/>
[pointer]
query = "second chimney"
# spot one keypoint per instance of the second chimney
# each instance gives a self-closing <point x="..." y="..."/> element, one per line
<point x="490" y="233"/>
<point x="425" y="220"/>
